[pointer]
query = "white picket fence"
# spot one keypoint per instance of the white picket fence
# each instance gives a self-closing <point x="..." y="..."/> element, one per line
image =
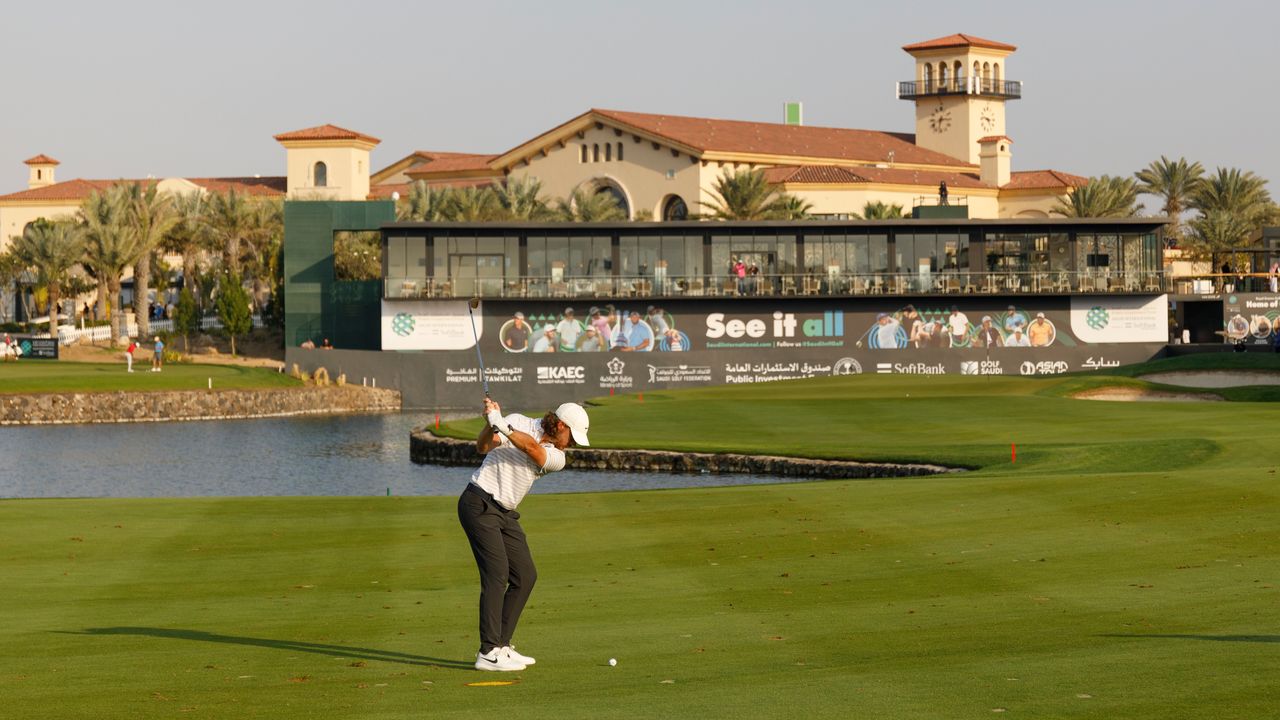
<point x="69" y="335"/>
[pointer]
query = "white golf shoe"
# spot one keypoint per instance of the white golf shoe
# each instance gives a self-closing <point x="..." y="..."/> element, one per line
<point x="498" y="660"/>
<point x="511" y="652"/>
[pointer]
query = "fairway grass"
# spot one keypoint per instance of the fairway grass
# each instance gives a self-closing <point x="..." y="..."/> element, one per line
<point x="1124" y="567"/>
<point x="42" y="376"/>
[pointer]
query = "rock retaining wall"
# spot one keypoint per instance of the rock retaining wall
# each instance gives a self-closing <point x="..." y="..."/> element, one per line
<point x="425" y="448"/>
<point x="110" y="407"/>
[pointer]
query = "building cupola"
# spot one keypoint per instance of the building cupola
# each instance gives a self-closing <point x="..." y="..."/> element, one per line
<point x="327" y="162"/>
<point x="41" y="171"/>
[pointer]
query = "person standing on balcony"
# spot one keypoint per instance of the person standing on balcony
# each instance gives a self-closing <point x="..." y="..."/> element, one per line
<point x="942" y="193"/>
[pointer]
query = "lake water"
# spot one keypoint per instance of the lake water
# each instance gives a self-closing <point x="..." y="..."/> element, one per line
<point x="341" y="455"/>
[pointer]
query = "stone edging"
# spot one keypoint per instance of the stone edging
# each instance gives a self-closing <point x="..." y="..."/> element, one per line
<point x="169" y="406"/>
<point x="426" y="448"/>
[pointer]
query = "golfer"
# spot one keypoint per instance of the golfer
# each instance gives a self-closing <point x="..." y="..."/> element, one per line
<point x="517" y="450"/>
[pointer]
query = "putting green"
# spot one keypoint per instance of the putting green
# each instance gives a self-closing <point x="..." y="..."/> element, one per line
<point x="1124" y="566"/>
<point x="52" y="376"/>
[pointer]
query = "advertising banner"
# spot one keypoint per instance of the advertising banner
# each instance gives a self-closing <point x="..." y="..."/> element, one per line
<point x="541" y="351"/>
<point x="1251" y="318"/>
<point x="429" y="325"/>
<point x="1120" y="319"/>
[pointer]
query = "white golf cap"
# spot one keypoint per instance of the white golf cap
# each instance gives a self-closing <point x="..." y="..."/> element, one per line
<point x="575" y="417"/>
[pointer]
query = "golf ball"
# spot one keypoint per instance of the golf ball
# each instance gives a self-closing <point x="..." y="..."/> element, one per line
<point x="613" y="661"/>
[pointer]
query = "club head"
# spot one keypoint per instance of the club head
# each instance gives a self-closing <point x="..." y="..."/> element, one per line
<point x="474" y="303"/>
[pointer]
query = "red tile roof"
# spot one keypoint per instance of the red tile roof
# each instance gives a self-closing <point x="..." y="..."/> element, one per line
<point x="1043" y="180"/>
<point x="738" y="136"/>
<point x="383" y="192"/>
<point x="993" y="138"/>
<point x="958" y="40"/>
<point x="41" y="159"/>
<point x="822" y="174"/>
<point x="79" y="189"/>
<point x="452" y="162"/>
<point x="326" y="132"/>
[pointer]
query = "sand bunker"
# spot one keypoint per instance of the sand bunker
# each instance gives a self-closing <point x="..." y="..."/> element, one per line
<point x="1130" y="394"/>
<point x="1214" y="378"/>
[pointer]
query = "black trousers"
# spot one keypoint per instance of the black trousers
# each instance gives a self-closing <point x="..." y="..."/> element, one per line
<point x="506" y="567"/>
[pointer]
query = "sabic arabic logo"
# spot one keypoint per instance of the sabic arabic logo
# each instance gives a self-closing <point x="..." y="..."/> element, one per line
<point x="615" y="366"/>
<point x="402" y="324"/>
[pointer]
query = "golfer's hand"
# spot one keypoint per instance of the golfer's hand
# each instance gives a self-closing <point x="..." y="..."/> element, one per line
<point x="490" y="406"/>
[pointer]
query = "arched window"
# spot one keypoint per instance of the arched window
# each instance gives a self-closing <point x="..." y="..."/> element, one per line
<point x="595" y="153"/>
<point x="617" y="196"/>
<point x="39" y="174"/>
<point x="928" y="77"/>
<point x="583" y="157"/>
<point x="321" y="175"/>
<point x="959" y="76"/>
<point x="674" y="209"/>
<point x="995" y="75"/>
<point x="944" y="74"/>
<point x="977" y="76"/>
<point x="986" y="77"/>
<point x="608" y="152"/>
<point x="619" y="152"/>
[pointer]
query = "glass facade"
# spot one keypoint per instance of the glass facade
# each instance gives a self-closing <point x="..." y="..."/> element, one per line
<point x="803" y="258"/>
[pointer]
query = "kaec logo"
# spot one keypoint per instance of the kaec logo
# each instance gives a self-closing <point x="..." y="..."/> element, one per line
<point x="402" y="324"/>
<point x="831" y="324"/>
<point x="571" y="373"/>
<point x="1098" y="317"/>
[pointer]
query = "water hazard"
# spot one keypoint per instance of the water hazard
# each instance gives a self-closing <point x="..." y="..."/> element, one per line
<point x="344" y="455"/>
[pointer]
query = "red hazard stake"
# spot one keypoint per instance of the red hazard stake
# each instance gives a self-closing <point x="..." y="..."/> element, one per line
<point x="437" y="421"/>
<point x="1014" y="446"/>
<point x="611" y="392"/>
<point x="641" y="397"/>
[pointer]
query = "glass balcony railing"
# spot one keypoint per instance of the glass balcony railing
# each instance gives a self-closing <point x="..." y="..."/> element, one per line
<point x="834" y="283"/>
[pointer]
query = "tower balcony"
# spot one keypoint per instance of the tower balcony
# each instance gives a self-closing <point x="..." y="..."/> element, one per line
<point x="1000" y="89"/>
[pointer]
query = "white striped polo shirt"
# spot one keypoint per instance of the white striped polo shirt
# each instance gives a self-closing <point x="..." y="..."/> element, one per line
<point x="507" y="473"/>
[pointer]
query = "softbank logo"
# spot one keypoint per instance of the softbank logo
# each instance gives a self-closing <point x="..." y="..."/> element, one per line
<point x="784" y="325"/>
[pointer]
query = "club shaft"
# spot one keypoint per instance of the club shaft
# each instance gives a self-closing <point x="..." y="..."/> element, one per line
<point x="484" y="380"/>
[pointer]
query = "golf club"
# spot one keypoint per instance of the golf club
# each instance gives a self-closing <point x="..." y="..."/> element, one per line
<point x="472" y="304"/>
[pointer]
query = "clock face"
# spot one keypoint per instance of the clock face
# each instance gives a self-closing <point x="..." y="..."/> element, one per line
<point x="940" y="119"/>
<point x="988" y="119"/>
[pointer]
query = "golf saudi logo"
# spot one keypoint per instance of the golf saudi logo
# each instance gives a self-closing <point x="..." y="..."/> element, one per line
<point x="1098" y="317"/>
<point x="402" y="324"/>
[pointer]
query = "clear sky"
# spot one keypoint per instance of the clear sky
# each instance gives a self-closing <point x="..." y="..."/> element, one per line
<point x="127" y="89"/>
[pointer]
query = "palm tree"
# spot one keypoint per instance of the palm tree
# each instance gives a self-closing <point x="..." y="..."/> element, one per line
<point x="882" y="211"/>
<point x="1231" y="190"/>
<point x="229" y="222"/>
<point x="1218" y="231"/>
<point x="152" y="215"/>
<point x="52" y="248"/>
<point x="266" y="234"/>
<point x="424" y="203"/>
<point x="471" y="204"/>
<point x="745" y="195"/>
<point x="584" y="205"/>
<point x="1103" y="196"/>
<point x="794" y="207"/>
<point x="187" y="236"/>
<point x="1175" y="181"/>
<point x="520" y="200"/>
<point x="111" y="246"/>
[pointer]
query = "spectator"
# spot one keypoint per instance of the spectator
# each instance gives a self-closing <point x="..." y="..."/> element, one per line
<point x="325" y="344"/>
<point x="128" y="354"/>
<point x="308" y="344"/>
<point x="158" y="359"/>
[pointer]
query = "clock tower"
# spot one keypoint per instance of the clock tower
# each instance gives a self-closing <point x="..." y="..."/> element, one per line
<point x="960" y="89"/>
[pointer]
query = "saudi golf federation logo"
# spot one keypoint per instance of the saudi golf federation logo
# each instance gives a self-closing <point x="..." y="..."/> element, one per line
<point x="616" y="366"/>
<point x="1097" y="318"/>
<point x="402" y="324"/>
